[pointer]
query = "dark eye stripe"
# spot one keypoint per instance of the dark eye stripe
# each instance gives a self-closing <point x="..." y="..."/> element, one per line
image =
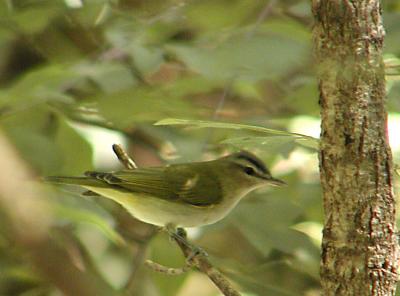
<point x="259" y="165"/>
<point x="251" y="171"/>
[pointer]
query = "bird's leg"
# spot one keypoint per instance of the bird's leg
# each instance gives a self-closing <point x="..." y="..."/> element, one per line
<point x="189" y="250"/>
<point x="194" y="250"/>
<point x="180" y="236"/>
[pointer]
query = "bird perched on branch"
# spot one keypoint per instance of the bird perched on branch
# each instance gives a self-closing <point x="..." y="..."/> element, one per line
<point x="182" y="195"/>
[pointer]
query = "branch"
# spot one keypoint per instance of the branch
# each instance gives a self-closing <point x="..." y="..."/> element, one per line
<point x="167" y="270"/>
<point x="201" y="262"/>
<point x="123" y="157"/>
<point x="197" y="260"/>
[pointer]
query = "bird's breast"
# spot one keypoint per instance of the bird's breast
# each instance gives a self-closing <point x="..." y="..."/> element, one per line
<point x="161" y="212"/>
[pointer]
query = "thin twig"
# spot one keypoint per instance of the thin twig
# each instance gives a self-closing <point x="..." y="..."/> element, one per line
<point x="267" y="11"/>
<point x="199" y="260"/>
<point x="218" y="109"/>
<point x="123" y="157"/>
<point x="168" y="270"/>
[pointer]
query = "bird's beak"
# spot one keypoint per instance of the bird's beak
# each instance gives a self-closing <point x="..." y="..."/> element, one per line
<point x="276" y="182"/>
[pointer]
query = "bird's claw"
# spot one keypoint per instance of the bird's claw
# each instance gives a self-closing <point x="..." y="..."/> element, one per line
<point x="194" y="252"/>
<point x="179" y="234"/>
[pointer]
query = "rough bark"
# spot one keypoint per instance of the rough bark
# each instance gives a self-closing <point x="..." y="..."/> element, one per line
<point x="359" y="247"/>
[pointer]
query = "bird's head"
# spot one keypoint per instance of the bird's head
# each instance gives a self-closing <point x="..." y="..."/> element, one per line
<point x="248" y="171"/>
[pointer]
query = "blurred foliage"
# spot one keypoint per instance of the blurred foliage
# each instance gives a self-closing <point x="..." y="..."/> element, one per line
<point x="240" y="69"/>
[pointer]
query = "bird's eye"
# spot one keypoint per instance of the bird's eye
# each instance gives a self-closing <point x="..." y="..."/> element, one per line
<point x="249" y="171"/>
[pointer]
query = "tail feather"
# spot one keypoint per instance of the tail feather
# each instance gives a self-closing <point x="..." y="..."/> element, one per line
<point x="81" y="181"/>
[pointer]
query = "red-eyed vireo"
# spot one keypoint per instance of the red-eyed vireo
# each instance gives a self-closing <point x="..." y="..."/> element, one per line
<point x="182" y="195"/>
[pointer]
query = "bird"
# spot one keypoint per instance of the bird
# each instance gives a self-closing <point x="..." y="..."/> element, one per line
<point x="182" y="195"/>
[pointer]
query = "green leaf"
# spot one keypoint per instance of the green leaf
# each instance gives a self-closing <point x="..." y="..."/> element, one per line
<point x="74" y="149"/>
<point x="266" y="224"/>
<point x="110" y="77"/>
<point x="36" y="87"/>
<point x="146" y="59"/>
<point x="29" y="131"/>
<point x="263" y="56"/>
<point x="149" y="103"/>
<point x="47" y="141"/>
<point x="288" y="28"/>
<point x="80" y="215"/>
<point x="271" y="144"/>
<point x="310" y="141"/>
<point x="219" y="15"/>
<point x="33" y="19"/>
<point x="216" y="124"/>
<point x="139" y="105"/>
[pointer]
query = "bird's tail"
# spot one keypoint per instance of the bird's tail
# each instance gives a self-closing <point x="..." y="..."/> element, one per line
<point x="81" y="181"/>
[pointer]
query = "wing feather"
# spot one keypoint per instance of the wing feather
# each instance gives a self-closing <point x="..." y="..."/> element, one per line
<point x="179" y="183"/>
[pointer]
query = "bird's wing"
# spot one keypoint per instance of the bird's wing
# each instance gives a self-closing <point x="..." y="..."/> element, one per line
<point x="175" y="183"/>
<point x="143" y="181"/>
<point x="195" y="185"/>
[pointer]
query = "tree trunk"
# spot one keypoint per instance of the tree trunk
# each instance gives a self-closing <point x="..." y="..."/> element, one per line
<point x="359" y="247"/>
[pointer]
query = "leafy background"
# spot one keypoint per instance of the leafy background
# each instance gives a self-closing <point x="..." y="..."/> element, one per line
<point x="216" y="76"/>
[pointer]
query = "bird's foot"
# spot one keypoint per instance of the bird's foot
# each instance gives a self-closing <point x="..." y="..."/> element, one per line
<point x="180" y="235"/>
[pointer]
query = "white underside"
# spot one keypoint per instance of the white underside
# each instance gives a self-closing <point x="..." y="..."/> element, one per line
<point x="161" y="212"/>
